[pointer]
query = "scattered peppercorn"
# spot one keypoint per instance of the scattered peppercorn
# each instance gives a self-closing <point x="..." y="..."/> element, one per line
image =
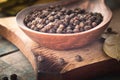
<point x="77" y="19"/>
<point x="5" y="78"/>
<point x="61" y="61"/>
<point x="13" y="77"/>
<point x="78" y="58"/>
<point x="109" y="30"/>
<point x="40" y="58"/>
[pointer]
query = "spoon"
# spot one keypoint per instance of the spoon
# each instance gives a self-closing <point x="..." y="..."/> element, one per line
<point x="68" y="41"/>
<point x="68" y="71"/>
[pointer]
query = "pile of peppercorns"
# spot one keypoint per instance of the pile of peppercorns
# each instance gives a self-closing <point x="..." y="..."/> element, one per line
<point x="58" y="19"/>
<point x="12" y="77"/>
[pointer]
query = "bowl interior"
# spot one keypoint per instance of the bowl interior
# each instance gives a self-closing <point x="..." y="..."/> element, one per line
<point x="90" y="5"/>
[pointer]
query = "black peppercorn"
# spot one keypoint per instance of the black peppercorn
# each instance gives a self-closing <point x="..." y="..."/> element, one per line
<point x="61" y="61"/>
<point x="77" y="27"/>
<point x="51" y="7"/>
<point x="78" y="58"/>
<point x="77" y="19"/>
<point x="94" y="24"/>
<point x="56" y="17"/>
<point x="39" y="26"/>
<point x="72" y="15"/>
<point x="13" y="77"/>
<point x="88" y="22"/>
<point x="5" y="78"/>
<point x="53" y="13"/>
<point x="45" y="12"/>
<point x="76" y="22"/>
<point x="67" y="18"/>
<point x="87" y="28"/>
<point x="51" y="18"/>
<point x="76" y="30"/>
<point x="81" y="24"/>
<point x="68" y="12"/>
<point x="36" y="29"/>
<point x="40" y="58"/>
<point x="32" y="27"/>
<point x="43" y="30"/>
<point x="63" y="10"/>
<point x="59" y="13"/>
<point x="29" y="24"/>
<point x="82" y="11"/>
<point x="93" y="18"/>
<point x="77" y="10"/>
<point x="52" y="30"/>
<point x="43" y="16"/>
<point x="59" y="30"/>
<point x="109" y="30"/>
<point x="98" y="21"/>
<point x="69" y="31"/>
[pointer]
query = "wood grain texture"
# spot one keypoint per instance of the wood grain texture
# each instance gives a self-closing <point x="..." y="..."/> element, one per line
<point x="16" y="63"/>
<point x="11" y="32"/>
<point x="6" y="47"/>
<point x="93" y="56"/>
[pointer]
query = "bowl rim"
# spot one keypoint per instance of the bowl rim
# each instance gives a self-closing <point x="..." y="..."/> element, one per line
<point x="24" y="27"/>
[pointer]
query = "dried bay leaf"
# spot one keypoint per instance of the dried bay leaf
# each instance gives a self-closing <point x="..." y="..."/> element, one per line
<point x="112" y="46"/>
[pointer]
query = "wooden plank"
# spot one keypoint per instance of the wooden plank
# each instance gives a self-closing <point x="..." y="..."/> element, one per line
<point x="6" y="47"/>
<point x="94" y="49"/>
<point x="11" y="34"/>
<point x="25" y="71"/>
<point x="16" y="63"/>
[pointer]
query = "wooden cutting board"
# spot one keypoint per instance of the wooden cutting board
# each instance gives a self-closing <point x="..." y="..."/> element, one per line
<point x="94" y="61"/>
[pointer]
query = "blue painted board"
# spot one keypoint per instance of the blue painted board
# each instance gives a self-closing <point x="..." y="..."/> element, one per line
<point x="6" y="47"/>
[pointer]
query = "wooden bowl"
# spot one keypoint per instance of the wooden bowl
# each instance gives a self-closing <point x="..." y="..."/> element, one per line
<point x="68" y="41"/>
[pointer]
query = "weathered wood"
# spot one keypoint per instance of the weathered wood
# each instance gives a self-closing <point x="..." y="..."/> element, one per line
<point x="5" y="47"/>
<point x="91" y="54"/>
<point x="95" y="62"/>
<point x="17" y="37"/>
<point x="16" y="63"/>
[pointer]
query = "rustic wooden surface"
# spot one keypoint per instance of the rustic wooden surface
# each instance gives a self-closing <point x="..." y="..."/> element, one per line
<point x="95" y="51"/>
<point x="16" y="62"/>
<point x="13" y="61"/>
<point x="5" y="47"/>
